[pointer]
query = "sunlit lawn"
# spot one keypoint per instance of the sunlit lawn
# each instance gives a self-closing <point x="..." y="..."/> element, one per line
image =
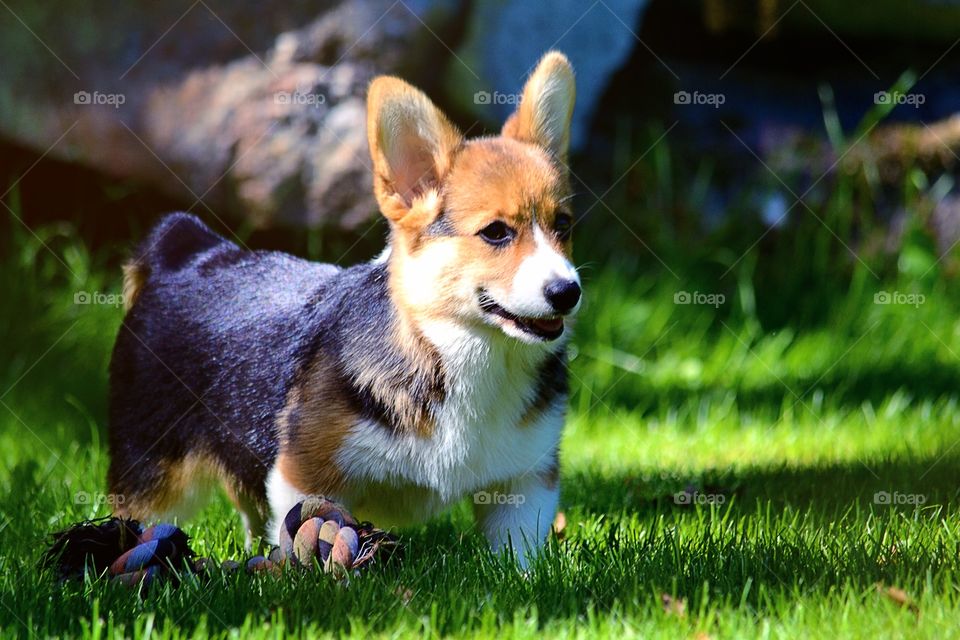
<point x="787" y="444"/>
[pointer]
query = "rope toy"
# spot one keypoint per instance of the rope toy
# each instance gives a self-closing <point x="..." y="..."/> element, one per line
<point x="315" y="534"/>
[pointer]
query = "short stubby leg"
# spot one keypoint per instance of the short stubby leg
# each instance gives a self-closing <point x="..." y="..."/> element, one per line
<point x="253" y="515"/>
<point x="518" y="513"/>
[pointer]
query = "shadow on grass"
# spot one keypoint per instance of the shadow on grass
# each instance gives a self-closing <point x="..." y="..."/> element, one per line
<point x="841" y="387"/>
<point x="826" y="490"/>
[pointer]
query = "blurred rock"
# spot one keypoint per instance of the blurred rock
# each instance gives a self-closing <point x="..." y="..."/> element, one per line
<point x="888" y="151"/>
<point x="257" y="110"/>
<point x="896" y="148"/>
<point x="208" y="103"/>
<point x="283" y="136"/>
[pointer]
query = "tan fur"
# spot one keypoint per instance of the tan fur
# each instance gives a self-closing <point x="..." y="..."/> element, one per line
<point x="411" y="144"/>
<point x="491" y="179"/>
<point x="317" y="418"/>
<point x="196" y="471"/>
<point x="423" y="168"/>
<point x="546" y="107"/>
<point x="422" y="360"/>
<point x="134" y="278"/>
<point x="311" y="429"/>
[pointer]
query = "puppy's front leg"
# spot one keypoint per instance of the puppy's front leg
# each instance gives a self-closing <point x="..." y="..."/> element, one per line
<point x="519" y="512"/>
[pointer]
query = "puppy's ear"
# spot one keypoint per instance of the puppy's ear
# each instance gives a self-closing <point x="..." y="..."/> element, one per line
<point x="411" y="144"/>
<point x="543" y="116"/>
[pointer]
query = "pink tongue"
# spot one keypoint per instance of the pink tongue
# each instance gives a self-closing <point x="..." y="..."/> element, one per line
<point x="547" y="325"/>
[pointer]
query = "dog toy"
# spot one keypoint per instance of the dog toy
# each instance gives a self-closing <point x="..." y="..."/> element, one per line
<point x="315" y="534"/>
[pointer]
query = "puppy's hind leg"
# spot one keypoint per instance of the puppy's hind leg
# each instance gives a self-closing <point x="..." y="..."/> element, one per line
<point x="155" y="490"/>
<point x="253" y="515"/>
<point x="143" y="489"/>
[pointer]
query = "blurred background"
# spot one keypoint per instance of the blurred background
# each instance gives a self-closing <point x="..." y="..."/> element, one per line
<point x="767" y="206"/>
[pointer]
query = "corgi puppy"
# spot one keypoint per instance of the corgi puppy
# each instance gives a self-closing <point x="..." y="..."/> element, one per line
<point x="397" y="387"/>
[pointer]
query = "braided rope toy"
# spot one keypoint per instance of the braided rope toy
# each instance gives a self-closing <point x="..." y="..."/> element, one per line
<point x="316" y="533"/>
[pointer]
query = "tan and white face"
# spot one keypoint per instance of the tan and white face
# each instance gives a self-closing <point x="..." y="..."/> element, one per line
<point x="480" y="229"/>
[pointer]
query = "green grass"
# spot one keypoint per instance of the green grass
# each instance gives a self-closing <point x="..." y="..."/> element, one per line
<point x="790" y="427"/>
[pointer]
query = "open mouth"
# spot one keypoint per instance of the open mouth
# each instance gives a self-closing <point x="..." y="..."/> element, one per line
<point x="548" y="328"/>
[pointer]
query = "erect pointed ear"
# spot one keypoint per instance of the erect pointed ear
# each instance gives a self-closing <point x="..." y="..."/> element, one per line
<point x="543" y="116"/>
<point x="411" y="144"/>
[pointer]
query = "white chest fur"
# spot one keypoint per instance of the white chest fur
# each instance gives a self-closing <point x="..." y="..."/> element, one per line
<point x="477" y="441"/>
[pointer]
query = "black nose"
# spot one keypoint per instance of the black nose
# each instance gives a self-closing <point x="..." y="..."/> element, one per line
<point x="562" y="295"/>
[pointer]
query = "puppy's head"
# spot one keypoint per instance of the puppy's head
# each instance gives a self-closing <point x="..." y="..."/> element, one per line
<point x="480" y="229"/>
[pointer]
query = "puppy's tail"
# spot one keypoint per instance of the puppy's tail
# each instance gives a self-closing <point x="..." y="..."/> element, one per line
<point x="176" y="239"/>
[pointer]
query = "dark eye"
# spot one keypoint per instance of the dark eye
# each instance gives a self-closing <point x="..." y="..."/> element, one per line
<point x="563" y="225"/>
<point x="497" y="233"/>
